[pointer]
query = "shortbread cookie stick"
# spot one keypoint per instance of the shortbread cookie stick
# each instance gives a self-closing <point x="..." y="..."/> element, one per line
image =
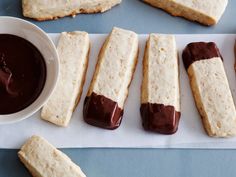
<point x="160" y="101"/>
<point x="207" y="12"/>
<point x="52" y="9"/>
<point x="210" y="88"/>
<point x="44" y="160"/>
<point x="104" y="104"/>
<point x="73" y="49"/>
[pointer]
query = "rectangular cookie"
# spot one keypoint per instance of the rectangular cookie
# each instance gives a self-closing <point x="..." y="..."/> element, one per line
<point x="73" y="50"/>
<point x="44" y="160"/>
<point x="207" y="12"/>
<point x="210" y="88"/>
<point x="104" y="104"/>
<point x="160" y="100"/>
<point x="53" y="9"/>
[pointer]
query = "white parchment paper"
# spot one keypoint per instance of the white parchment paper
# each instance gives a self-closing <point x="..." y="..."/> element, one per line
<point x="130" y="134"/>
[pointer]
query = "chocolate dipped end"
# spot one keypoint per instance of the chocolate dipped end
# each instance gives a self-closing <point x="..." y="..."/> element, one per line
<point x="160" y="118"/>
<point x="102" y="112"/>
<point x="199" y="51"/>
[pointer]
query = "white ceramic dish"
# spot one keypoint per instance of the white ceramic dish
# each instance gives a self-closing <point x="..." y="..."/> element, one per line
<point x="32" y="33"/>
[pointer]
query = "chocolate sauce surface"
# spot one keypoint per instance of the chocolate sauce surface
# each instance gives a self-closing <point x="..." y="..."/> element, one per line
<point x="22" y="73"/>
<point x="102" y="112"/>
<point x="160" y="118"/>
<point x="199" y="51"/>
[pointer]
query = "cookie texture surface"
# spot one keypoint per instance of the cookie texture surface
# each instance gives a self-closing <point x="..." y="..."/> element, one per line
<point x="161" y="73"/>
<point x="44" y="160"/>
<point x="109" y="87"/>
<point x="73" y="49"/>
<point x="52" y="9"/>
<point x="160" y="100"/>
<point x="115" y="66"/>
<point x="211" y="90"/>
<point x="207" y="12"/>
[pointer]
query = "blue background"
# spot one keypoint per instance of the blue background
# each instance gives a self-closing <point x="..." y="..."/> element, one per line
<point x="137" y="16"/>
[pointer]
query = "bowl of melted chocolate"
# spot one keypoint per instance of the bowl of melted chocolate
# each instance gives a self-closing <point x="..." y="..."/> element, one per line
<point x="29" y="68"/>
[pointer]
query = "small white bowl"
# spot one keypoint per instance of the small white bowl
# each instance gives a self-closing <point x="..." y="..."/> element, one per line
<point x="32" y="33"/>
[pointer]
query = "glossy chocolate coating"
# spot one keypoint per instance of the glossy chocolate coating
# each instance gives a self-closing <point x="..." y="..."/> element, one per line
<point x="199" y="51"/>
<point x="160" y="118"/>
<point x="22" y="73"/>
<point x="102" y="112"/>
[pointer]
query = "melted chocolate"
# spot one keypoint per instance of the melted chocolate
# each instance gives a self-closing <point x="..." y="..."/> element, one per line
<point x="22" y="73"/>
<point x="199" y="51"/>
<point x="102" y="112"/>
<point x="159" y="118"/>
<point x="6" y="77"/>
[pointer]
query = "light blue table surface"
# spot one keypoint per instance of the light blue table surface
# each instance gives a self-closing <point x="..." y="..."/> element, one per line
<point x="137" y="16"/>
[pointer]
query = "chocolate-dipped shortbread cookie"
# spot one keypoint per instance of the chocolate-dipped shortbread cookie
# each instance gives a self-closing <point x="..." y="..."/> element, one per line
<point x="104" y="103"/>
<point x="210" y="88"/>
<point x="160" y="100"/>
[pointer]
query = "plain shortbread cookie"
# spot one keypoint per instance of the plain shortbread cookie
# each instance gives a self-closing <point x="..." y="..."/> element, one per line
<point x="53" y="9"/>
<point x="44" y="160"/>
<point x="73" y="49"/>
<point x="207" y="12"/>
